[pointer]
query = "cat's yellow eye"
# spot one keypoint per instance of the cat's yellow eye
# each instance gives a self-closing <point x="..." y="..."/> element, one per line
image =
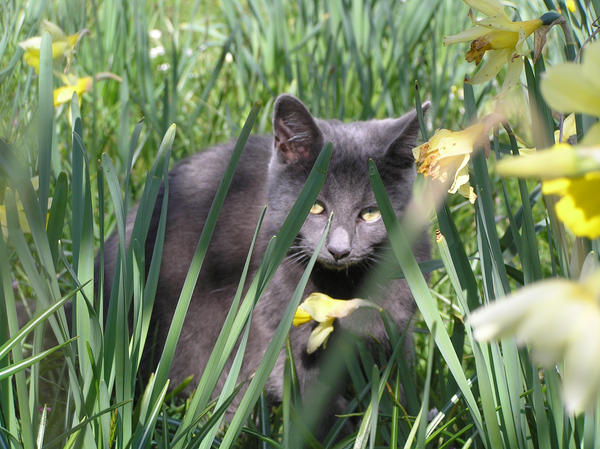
<point x="317" y="208"/>
<point x="370" y="214"/>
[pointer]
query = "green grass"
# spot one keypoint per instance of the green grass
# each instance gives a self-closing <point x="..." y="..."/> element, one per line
<point x="216" y="77"/>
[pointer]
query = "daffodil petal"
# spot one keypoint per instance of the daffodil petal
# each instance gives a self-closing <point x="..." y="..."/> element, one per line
<point x="505" y="316"/>
<point x="54" y="30"/>
<point x="563" y="94"/>
<point x="491" y="66"/>
<point x="65" y="93"/>
<point x="535" y="315"/>
<point x="32" y="59"/>
<point x="461" y="177"/>
<point x="561" y="91"/>
<point x="519" y="45"/>
<point x="487" y="7"/>
<point x="581" y="379"/>
<point x="319" y="336"/>
<point x="498" y="23"/>
<point x="502" y="317"/>
<point x="592" y="137"/>
<point x="31" y="43"/>
<point x="559" y="161"/>
<point x="568" y="129"/>
<point x="513" y="73"/>
<point x="465" y="36"/>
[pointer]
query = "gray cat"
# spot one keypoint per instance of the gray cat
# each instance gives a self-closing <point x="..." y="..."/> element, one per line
<point x="272" y="171"/>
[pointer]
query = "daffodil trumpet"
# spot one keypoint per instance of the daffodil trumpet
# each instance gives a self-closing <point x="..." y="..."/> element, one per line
<point x="323" y="309"/>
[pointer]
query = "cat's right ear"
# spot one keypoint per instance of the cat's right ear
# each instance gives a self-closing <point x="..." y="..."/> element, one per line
<point x="297" y="136"/>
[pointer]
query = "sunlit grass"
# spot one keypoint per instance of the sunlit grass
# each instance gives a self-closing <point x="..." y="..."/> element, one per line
<point x="174" y="77"/>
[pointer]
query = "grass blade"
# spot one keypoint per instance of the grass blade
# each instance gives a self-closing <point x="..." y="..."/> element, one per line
<point x="420" y="291"/>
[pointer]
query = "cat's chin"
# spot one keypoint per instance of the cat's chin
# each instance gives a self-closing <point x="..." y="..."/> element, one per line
<point x="336" y="266"/>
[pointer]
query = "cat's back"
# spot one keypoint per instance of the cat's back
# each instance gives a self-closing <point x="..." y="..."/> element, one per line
<point x="193" y="183"/>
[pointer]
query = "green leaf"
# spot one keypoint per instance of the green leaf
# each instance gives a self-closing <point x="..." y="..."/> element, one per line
<point x="46" y="121"/>
<point x="33" y="323"/>
<point x="26" y="363"/>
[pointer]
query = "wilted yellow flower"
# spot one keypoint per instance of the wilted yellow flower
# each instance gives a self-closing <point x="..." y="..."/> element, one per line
<point x="560" y="320"/>
<point x="324" y="309"/>
<point x="499" y="36"/>
<point x="62" y="45"/>
<point x="445" y="157"/>
<point x="65" y="93"/>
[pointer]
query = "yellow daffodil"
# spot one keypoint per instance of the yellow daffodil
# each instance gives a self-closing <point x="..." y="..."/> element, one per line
<point x="499" y="36"/>
<point x="560" y="320"/>
<point x="62" y="44"/>
<point x="65" y="93"/>
<point x="324" y="309"/>
<point x="571" y="172"/>
<point x="445" y="157"/>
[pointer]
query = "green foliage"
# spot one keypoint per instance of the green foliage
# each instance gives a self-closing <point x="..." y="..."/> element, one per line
<point x="174" y="77"/>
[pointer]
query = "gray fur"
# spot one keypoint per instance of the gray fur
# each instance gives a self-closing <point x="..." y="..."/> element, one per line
<point x="271" y="172"/>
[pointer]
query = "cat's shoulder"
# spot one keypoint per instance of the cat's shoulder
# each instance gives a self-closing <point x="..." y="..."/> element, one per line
<point x="209" y="164"/>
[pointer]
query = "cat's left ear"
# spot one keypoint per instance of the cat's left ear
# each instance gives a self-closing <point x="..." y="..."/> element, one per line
<point x="297" y="136"/>
<point x="403" y="138"/>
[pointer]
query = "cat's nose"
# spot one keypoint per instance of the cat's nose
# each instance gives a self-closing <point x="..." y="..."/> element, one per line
<point x="339" y="243"/>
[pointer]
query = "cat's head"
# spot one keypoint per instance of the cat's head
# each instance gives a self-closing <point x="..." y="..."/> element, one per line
<point x="357" y="230"/>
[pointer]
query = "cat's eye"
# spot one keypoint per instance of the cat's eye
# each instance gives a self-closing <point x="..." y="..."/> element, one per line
<point x="317" y="208"/>
<point x="370" y="214"/>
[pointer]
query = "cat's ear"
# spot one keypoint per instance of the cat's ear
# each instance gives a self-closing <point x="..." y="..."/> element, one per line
<point x="297" y="136"/>
<point x="403" y="133"/>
